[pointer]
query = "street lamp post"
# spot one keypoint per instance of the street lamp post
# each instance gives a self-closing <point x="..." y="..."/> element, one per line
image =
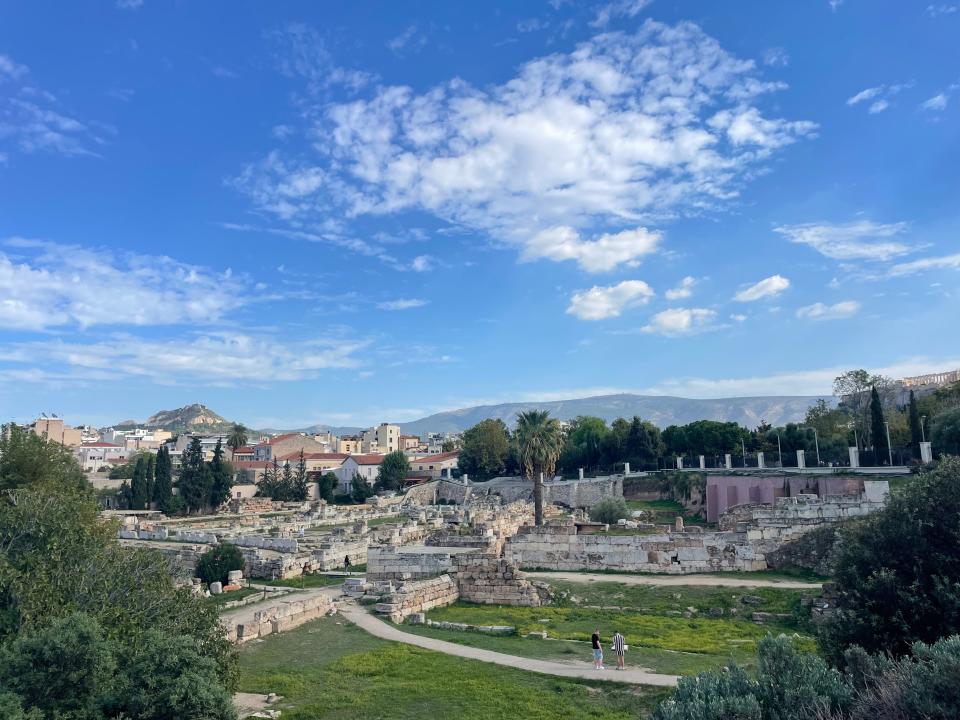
<point x="889" y="447"/>
<point x="923" y="437"/>
<point x="743" y="447"/>
<point x="816" y="442"/>
<point x="779" y="451"/>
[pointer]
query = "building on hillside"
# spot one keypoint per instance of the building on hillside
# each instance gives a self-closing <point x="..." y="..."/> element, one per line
<point x="242" y="453"/>
<point x="412" y="443"/>
<point x="93" y="456"/>
<point x="350" y="444"/>
<point x="286" y="444"/>
<point x="55" y="430"/>
<point x="382" y="439"/>
<point x="316" y="463"/>
<point x="366" y="466"/>
<point x="435" y="466"/>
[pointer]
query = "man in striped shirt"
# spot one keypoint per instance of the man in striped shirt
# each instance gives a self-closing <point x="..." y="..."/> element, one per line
<point x="619" y="648"/>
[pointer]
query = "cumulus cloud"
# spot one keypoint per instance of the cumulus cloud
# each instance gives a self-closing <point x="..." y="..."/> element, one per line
<point x="859" y="240"/>
<point x="620" y="8"/>
<point x="766" y="288"/>
<point x="683" y="290"/>
<point x="410" y="41"/>
<point x="599" y="303"/>
<point x="402" y="304"/>
<point x="680" y="321"/>
<point x="63" y="286"/>
<point x="837" y="311"/>
<point x="776" y="57"/>
<point x="598" y="255"/>
<point x="624" y="130"/>
<point x="422" y="263"/>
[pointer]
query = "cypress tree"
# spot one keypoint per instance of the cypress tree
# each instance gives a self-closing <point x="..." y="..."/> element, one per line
<point x="195" y="478"/>
<point x="151" y="467"/>
<point x="163" y="481"/>
<point x="138" y="485"/>
<point x="222" y="479"/>
<point x="916" y="432"/>
<point x="299" y="489"/>
<point x="878" y="430"/>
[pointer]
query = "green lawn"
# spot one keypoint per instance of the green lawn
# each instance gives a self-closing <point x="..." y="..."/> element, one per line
<point x="721" y="637"/>
<point x="224" y="598"/>
<point x="304" y="581"/>
<point x="660" y="599"/>
<point x="670" y="662"/>
<point x="330" y="670"/>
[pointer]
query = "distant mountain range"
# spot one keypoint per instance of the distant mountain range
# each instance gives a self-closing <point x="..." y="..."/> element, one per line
<point x="662" y="410"/>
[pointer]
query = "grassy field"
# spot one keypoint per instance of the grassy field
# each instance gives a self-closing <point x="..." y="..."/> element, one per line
<point x="329" y="670"/>
<point x="663" y="599"/>
<point x="798" y="574"/>
<point x="304" y="581"/>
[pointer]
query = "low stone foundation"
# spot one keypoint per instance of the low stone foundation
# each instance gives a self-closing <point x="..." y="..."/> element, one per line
<point x="391" y="563"/>
<point x="418" y="596"/>
<point x="494" y="580"/>
<point x="283" y="616"/>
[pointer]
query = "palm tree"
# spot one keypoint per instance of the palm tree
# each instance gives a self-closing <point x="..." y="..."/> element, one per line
<point x="539" y="440"/>
<point x="237" y="439"/>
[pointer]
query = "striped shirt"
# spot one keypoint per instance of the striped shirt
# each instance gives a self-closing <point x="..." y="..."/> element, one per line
<point x="618" y="646"/>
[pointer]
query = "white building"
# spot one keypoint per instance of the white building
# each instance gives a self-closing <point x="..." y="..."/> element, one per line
<point x="93" y="456"/>
<point x="366" y="466"/>
<point x="383" y="439"/>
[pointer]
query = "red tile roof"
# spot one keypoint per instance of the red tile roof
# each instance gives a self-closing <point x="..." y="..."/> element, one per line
<point x="439" y="457"/>
<point x="368" y="459"/>
<point x="100" y="444"/>
<point x="251" y="464"/>
<point x="314" y="456"/>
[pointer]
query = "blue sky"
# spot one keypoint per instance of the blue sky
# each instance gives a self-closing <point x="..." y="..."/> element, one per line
<point x="355" y="212"/>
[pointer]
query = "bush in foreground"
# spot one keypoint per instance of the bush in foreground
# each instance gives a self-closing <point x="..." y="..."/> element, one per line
<point x="609" y="510"/>
<point x="219" y="560"/>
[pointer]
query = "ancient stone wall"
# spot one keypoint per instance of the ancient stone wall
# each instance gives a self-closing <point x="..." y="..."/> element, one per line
<point x="559" y="547"/>
<point x="571" y="493"/>
<point x="416" y="596"/>
<point x="486" y="578"/>
<point x="391" y="563"/>
<point x="331" y="555"/>
<point x="285" y="615"/>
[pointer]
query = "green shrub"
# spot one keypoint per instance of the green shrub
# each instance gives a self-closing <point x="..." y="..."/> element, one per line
<point x="219" y="560"/>
<point x="609" y="510"/>
<point x="790" y="685"/>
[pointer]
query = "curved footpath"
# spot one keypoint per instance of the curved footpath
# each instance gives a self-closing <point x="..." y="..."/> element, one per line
<point x="673" y="580"/>
<point x="377" y="627"/>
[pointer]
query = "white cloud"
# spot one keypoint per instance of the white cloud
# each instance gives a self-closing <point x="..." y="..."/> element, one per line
<point x="683" y="290"/>
<point x="880" y="95"/>
<point x="620" y="8"/>
<point x="129" y="4"/>
<point x="422" y="263"/>
<point x="680" y="321"/>
<point x="943" y="9"/>
<point x="62" y="286"/>
<point x="626" y="129"/>
<point x="776" y="57"/>
<point x="937" y="102"/>
<point x="402" y="304"/>
<point x="599" y="303"/>
<point x="409" y="41"/>
<point x="531" y="25"/>
<point x="32" y="120"/>
<point x="217" y="358"/>
<point x="856" y="240"/>
<point x="738" y="317"/>
<point x="837" y="311"/>
<point x="766" y="288"/>
<point x="304" y="53"/>
<point x="598" y="255"/>
<point x="834" y="4"/>
<point x="945" y="262"/>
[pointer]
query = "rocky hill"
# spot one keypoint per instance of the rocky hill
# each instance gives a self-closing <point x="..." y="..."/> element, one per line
<point x="192" y="417"/>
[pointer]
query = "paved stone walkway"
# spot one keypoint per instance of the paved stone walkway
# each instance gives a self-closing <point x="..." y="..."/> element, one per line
<point x="672" y="580"/>
<point x="377" y="627"/>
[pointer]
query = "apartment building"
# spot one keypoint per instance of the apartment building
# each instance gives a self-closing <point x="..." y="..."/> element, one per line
<point x="435" y="466"/>
<point x="382" y="439"/>
<point x="93" y="456"/>
<point x="55" y="430"/>
<point x="286" y="444"/>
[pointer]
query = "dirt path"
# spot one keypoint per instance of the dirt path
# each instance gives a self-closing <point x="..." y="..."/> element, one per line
<point x="377" y="627"/>
<point x="671" y="580"/>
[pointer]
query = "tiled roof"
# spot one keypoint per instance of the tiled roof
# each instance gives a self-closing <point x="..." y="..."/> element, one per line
<point x="439" y="457"/>
<point x="368" y="459"/>
<point x="100" y="445"/>
<point x="251" y="464"/>
<point x="314" y="456"/>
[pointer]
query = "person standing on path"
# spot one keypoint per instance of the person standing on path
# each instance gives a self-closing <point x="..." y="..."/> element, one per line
<point x="619" y="648"/>
<point x="597" y="650"/>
